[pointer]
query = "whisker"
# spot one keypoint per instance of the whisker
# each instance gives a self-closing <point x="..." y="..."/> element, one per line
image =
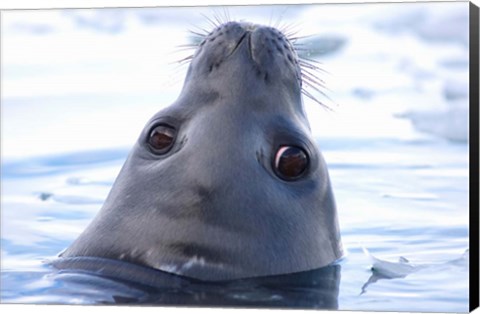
<point x="309" y="65"/>
<point x="227" y="15"/>
<point x="299" y="37"/>
<point x="291" y="30"/>
<point x="306" y="93"/>
<point x="312" y="83"/>
<point x="217" y="18"/>
<point x="310" y="71"/>
<point x="199" y="34"/>
<point x="212" y="23"/>
<point x="292" y="34"/>
<point x="279" y="19"/>
<point x="317" y="89"/>
<point x="184" y="60"/>
<point x="311" y="61"/>
<point x="314" y="79"/>
<point x="312" y="76"/>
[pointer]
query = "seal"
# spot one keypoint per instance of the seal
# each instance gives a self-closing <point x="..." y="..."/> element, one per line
<point x="226" y="182"/>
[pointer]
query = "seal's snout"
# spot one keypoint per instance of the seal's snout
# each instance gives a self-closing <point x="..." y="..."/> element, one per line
<point x="268" y="52"/>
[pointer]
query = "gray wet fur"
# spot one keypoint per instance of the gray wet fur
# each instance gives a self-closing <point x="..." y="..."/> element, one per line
<point x="213" y="208"/>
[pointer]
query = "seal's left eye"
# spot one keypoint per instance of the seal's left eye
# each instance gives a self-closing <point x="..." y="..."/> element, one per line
<point x="290" y="162"/>
<point x="161" y="139"/>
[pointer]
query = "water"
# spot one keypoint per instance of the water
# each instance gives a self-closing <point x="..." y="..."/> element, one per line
<point x="78" y="86"/>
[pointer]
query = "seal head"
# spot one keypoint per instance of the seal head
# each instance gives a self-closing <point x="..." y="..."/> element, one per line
<point x="227" y="182"/>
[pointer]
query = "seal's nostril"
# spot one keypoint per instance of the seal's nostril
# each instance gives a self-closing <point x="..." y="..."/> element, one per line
<point x="246" y="35"/>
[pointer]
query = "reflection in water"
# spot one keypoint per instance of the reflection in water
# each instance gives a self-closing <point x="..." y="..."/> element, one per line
<point x="112" y="281"/>
<point x="371" y="280"/>
<point x="382" y="269"/>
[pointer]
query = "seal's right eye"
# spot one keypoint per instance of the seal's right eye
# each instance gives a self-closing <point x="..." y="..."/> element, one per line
<point x="161" y="139"/>
<point x="290" y="162"/>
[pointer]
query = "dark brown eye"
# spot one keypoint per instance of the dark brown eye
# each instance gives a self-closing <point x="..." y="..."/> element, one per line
<point x="161" y="139"/>
<point x="290" y="162"/>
